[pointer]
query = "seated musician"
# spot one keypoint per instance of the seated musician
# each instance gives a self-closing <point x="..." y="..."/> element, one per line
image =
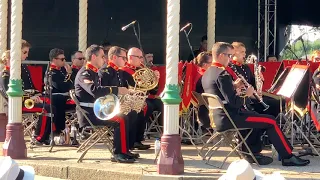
<point x="78" y="61"/>
<point x="245" y="71"/>
<point x="112" y="75"/>
<point x="216" y="80"/>
<point x="203" y="62"/>
<point x="43" y="127"/>
<point x="88" y="89"/>
<point x="153" y="98"/>
<point x="315" y="98"/>
<point x="135" y="62"/>
<point x="61" y="85"/>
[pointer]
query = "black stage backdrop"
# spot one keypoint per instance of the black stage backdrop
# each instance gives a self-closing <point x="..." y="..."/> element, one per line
<point x="54" y="23"/>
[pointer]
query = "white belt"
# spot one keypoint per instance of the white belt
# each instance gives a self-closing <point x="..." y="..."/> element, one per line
<point x="64" y="94"/>
<point x="86" y="104"/>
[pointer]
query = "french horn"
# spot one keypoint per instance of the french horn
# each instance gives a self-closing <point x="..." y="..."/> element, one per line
<point x="108" y="106"/>
<point x="29" y="103"/>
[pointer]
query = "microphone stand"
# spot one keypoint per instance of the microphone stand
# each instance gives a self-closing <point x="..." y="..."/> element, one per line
<point x="49" y="91"/>
<point x="139" y="41"/>
<point x="187" y="37"/>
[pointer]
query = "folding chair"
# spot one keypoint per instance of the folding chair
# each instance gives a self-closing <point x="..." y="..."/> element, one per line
<point x="29" y="120"/>
<point x="227" y="136"/>
<point x="100" y="133"/>
<point x="153" y="125"/>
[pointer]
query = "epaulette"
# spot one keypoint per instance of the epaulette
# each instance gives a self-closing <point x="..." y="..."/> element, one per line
<point x="105" y="70"/>
<point x="85" y="73"/>
<point x="5" y="73"/>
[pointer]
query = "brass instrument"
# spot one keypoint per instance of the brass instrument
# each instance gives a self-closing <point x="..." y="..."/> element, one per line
<point x="246" y="84"/>
<point x="108" y="106"/>
<point x="29" y="103"/>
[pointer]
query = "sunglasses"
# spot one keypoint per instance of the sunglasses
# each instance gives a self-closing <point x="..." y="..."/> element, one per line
<point x="80" y="59"/>
<point x="62" y="59"/>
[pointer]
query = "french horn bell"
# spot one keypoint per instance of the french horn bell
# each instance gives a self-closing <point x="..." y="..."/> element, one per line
<point x="29" y="103"/>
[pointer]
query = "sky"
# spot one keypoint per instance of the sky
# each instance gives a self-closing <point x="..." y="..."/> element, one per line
<point x="297" y="30"/>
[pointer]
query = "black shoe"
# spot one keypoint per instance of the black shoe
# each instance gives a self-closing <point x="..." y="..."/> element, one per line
<point x="121" y="158"/>
<point x="262" y="160"/>
<point x="140" y="146"/>
<point x="135" y="156"/>
<point x="295" y="161"/>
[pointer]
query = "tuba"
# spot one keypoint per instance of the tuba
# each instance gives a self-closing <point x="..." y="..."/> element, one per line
<point x="108" y="106"/>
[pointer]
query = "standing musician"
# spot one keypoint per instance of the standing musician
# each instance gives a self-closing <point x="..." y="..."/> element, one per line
<point x="203" y="62"/>
<point x="61" y="85"/>
<point x="135" y="62"/>
<point x="111" y="75"/>
<point x="78" y="61"/>
<point x="216" y="80"/>
<point x="43" y="127"/>
<point x="88" y="89"/>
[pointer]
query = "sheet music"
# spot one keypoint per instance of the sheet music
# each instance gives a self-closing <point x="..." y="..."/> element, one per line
<point x="292" y="82"/>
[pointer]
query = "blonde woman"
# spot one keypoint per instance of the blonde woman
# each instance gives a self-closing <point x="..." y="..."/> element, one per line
<point x="5" y="59"/>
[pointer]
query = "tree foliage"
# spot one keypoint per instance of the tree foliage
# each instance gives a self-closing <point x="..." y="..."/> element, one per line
<point x="299" y="50"/>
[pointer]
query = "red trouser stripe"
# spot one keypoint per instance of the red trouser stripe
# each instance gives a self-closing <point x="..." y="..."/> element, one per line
<point x="272" y="122"/>
<point x="123" y="137"/>
<point x="145" y="109"/>
<point x="314" y="118"/>
<point x="43" y="121"/>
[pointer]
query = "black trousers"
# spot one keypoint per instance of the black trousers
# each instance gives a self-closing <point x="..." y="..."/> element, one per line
<point x="142" y="119"/>
<point x="157" y="105"/>
<point x="315" y="114"/>
<point x="59" y="101"/>
<point x="43" y="127"/>
<point x="263" y="122"/>
<point x="254" y="140"/>
<point x="124" y="128"/>
<point x="203" y="116"/>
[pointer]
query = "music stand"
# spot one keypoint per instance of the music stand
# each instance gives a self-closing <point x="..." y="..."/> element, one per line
<point x="291" y="89"/>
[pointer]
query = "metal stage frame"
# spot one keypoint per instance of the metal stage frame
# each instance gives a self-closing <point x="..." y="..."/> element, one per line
<point x="267" y="28"/>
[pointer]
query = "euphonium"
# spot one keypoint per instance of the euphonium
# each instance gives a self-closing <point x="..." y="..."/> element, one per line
<point x="29" y="103"/>
<point x="108" y="106"/>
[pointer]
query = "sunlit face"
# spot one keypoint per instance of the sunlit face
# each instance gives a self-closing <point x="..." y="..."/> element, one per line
<point x="99" y="59"/>
<point x="225" y="57"/>
<point x="240" y="54"/>
<point x="24" y="53"/>
<point x="120" y="60"/>
<point x="316" y="57"/>
<point x="136" y="58"/>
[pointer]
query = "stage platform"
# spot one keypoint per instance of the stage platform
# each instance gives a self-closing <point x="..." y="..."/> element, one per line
<point x="62" y="163"/>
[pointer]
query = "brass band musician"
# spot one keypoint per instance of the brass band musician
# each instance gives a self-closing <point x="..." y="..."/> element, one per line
<point x="88" y="89"/>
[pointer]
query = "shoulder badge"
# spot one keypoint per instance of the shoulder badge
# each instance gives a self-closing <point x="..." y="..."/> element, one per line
<point x="85" y="73"/>
<point x="105" y="70"/>
<point x="87" y="81"/>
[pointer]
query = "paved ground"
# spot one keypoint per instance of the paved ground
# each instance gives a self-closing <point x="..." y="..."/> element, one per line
<point x="62" y="163"/>
<point x="46" y="178"/>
